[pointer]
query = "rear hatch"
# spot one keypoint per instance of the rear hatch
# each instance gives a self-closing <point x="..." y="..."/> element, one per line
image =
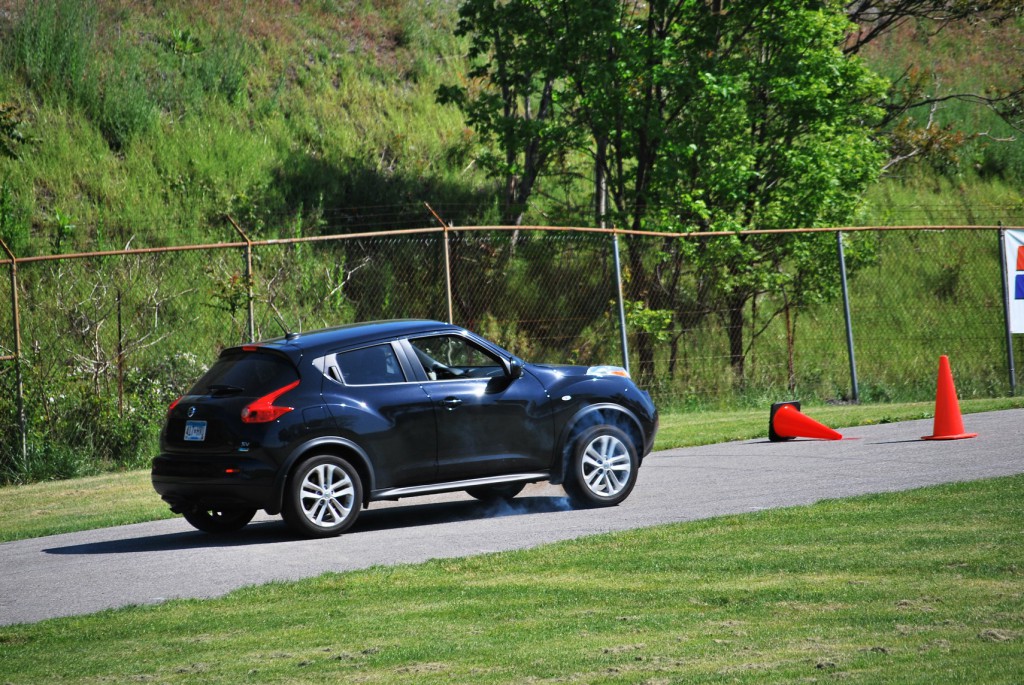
<point x="209" y="420"/>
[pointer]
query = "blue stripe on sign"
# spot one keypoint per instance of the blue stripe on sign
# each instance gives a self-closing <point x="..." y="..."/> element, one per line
<point x="1020" y="287"/>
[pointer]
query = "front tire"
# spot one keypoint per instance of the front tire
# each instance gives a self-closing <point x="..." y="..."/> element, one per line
<point x="602" y="468"/>
<point x="323" y="497"/>
<point x="219" y="522"/>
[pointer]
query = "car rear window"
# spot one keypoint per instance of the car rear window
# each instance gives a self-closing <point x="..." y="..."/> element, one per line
<point x="246" y="373"/>
<point x="370" y="365"/>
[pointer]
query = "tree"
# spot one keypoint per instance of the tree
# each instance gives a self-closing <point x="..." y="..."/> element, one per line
<point x="703" y="120"/>
<point x="512" y="97"/>
<point x="786" y="142"/>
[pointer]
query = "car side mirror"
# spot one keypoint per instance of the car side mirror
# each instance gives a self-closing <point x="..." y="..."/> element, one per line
<point x="515" y="368"/>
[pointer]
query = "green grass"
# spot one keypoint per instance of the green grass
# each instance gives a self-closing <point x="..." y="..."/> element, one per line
<point x="687" y="429"/>
<point x="113" y="499"/>
<point x="917" y="587"/>
<point x="66" y="506"/>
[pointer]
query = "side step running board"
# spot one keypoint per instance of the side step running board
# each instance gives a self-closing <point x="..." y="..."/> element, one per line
<point x="395" y="493"/>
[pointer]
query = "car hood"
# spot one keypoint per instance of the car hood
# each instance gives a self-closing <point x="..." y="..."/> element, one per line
<point x="558" y="370"/>
<point x="550" y="374"/>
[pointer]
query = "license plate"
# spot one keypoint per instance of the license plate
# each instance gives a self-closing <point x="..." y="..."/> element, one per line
<point x="195" y="431"/>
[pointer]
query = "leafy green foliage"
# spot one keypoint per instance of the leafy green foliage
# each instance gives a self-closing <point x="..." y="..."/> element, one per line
<point x="148" y="124"/>
<point x="10" y="130"/>
<point x="516" y="94"/>
<point x="12" y="228"/>
<point x="655" y="322"/>
<point x="79" y="433"/>
<point x="699" y="120"/>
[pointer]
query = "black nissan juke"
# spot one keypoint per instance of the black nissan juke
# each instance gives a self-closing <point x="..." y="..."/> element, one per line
<point x="317" y="425"/>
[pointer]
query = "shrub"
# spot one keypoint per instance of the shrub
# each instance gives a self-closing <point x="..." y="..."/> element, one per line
<point x="121" y="107"/>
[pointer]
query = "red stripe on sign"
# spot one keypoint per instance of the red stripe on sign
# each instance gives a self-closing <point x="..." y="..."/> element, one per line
<point x="1020" y="258"/>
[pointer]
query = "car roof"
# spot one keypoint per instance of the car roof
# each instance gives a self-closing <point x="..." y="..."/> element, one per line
<point x="353" y="335"/>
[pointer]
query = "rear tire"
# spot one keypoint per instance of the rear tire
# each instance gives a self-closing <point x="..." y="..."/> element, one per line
<point x="602" y="468"/>
<point x="323" y="497"/>
<point x="219" y="522"/>
<point x="496" y="493"/>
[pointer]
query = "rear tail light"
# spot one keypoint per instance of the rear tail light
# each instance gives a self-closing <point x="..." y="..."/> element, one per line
<point x="173" y="405"/>
<point x="264" y="410"/>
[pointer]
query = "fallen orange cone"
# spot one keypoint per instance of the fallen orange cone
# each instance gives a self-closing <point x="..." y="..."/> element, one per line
<point x="786" y="422"/>
<point x="949" y="424"/>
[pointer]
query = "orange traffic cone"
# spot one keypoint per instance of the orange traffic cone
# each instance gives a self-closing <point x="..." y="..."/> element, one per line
<point x="786" y="422"/>
<point x="949" y="425"/>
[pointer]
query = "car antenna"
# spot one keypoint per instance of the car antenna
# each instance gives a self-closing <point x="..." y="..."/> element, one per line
<point x="288" y="335"/>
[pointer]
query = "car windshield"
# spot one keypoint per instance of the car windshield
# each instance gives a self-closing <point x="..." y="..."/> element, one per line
<point x="249" y="374"/>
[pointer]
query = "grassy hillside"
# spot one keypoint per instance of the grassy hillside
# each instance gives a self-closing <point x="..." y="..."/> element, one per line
<point x="149" y="122"/>
<point x="960" y="59"/>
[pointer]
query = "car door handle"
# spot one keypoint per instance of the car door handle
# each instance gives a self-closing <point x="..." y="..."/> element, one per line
<point x="451" y="402"/>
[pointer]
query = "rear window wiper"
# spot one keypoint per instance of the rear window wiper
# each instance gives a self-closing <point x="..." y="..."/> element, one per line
<point x="219" y="389"/>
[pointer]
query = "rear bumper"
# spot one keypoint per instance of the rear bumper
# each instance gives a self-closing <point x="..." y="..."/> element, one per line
<point x="214" y="483"/>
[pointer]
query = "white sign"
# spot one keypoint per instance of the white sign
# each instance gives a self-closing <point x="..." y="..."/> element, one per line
<point x="1013" y="242"/>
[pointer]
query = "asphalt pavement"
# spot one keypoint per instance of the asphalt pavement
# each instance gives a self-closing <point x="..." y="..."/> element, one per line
<point x="149" y="563"/>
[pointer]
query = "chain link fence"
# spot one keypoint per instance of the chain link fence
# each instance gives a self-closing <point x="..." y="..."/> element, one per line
<point x="109" y="340"/>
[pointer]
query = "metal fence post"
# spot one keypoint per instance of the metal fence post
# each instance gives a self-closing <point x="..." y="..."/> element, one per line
<point x="448" y="273"/>
<point x="120" y="359"/>
<point x="601" y="200"/>
<point x="621" y="303"/>
<point x="854" y="389"/>
<point x="447" y="261"/>
<point x="19" y="381"/>
<point x="1006" y="310"/>
<point x="248" y="279"/>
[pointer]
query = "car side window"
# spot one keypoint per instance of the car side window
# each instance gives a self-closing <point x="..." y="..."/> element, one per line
<point x="445" y="357"/>
<point x="370" y="366"/>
